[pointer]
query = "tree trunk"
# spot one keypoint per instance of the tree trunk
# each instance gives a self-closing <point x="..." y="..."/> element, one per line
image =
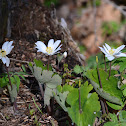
<point x="3" y="19"/>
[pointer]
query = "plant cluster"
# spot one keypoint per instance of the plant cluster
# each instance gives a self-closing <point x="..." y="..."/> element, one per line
<point x="85" y="94"/>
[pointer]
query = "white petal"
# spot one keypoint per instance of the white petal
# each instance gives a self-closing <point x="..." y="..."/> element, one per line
<point x="7" y="61"/>
<point x="41" y="46"/>
<point x="119" y="49"/>
<point x="51" y="54"/>
<point x="9" y="50"/>
<point x="10" y="44"/>
<point x="107" y="46"/>
<point x="103" y="50"/>
<point x="120" y="55"/>
<point x="59" y="48"/>
<point x="110" y="58"/>
<point x="5" y="45"/>
<point x="4" y="60"/>
<point x="56" y="44"/>
<point x="50" y="43"/>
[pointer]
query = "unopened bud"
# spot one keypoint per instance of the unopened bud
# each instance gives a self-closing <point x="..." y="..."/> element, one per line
<point x="96" y="59"/>
<point x="65" y="54"/>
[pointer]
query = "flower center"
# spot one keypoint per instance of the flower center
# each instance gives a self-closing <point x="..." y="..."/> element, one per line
<point x="2" y="53"/>
<point x="49" y="50"/>
<point x="111" y="51"/>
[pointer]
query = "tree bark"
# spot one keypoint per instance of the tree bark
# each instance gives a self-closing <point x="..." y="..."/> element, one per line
<point x="3" y="19"/>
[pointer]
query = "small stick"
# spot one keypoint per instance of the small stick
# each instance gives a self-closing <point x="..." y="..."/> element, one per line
<point x="19" y="61"/>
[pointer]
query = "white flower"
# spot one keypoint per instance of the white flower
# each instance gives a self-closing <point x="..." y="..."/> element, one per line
<point x="6" y="49"/>
<point x="51" y="49"/>
<point x="65" y="54"/>
<point x="111" y="53"/>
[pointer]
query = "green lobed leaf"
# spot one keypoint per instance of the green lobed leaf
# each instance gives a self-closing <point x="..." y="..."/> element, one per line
<point x="124" y="92"/>
<point x="30" y="64"/>
<point x="12" y="92"/>
<point x="48" y="78"/>
<point x="48" y="94"/>
<point x="4" y="81"/>
<point x="123" y="86"/>
<point x="121" y="62"/>
<point x="115" y="121"/>
<point x="115" y="106"/>
<point x="39" y="63"/>
<point x="51" y="80"/>
<point x="109" y="89"/>
<point x="78" y="69"/>
<point x="89" y="105"/>
<point x="61" y="98"/>
<point x="17" y="79"/>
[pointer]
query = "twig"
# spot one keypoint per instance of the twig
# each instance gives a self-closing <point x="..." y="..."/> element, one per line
<point x="3" y="117"/>
<point x="20" y="61"/>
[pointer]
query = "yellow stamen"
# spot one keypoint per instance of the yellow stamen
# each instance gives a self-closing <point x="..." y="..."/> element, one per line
<point x="2" y="53"/>
<point x="111" y="51"/>
<point x="49" y="50"/>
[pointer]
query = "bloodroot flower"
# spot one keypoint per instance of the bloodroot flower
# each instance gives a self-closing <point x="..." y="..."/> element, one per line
<point x="6" y="49"/>
<point x="51" y="49"/>
<point x="111" y="53"/>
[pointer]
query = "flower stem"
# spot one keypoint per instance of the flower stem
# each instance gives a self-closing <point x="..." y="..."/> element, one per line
<point x="80" y="109"/>
<point x="105" y="64"/>
<point x="49" y="108"/>
<point x="103" y="103"/>
<point x="99" y="76"/>
<point x="41" y="90"/>
<point x="8" y="76"/>
<point x="110" y="69"/>
<point x="106" y="107"/>
<point x="48" y="63"/>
